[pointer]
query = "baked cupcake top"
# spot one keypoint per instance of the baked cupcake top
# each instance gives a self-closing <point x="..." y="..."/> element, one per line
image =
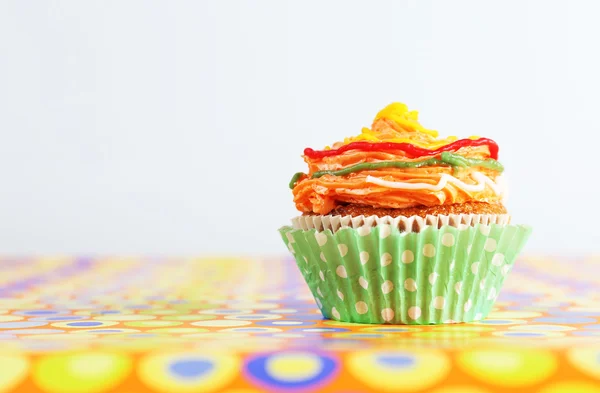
<point x="399" y="164"/>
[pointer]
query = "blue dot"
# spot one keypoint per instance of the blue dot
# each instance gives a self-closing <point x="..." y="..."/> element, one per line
<point x="84" y="324"/>
<point x="58" y="319"/>
<point x="565" y="320"/>
<point x="276" y="311"/>
<point x="318" y="330"/>
<point x="258" y="371"/>
<point x="592" y="327"/>
<point x="40" y="312"/>
<point x="18" y="325"/>
<point x="397" y="361"/>
<point x="228" y="311"/>
<point x="524" y="334"/>
<point x="308" y="317"/>
<point x="496" y="321"/>
<point x="300" y="305"/>
<point x="109" y="312"/>
<point x="190" y="368"/>
<point x="564" y="313"/>
<point x="34" y="331"/>
<point x="282" y="322"/>
<point x="586" y="333"/>
<point x="105" y="331"/>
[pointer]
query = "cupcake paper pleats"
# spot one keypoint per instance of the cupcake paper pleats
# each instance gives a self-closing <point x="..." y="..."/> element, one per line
<point x="381" y="275"/>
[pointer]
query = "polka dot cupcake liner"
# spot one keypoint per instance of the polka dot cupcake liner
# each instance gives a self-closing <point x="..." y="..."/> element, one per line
<point x="382" y="275"/>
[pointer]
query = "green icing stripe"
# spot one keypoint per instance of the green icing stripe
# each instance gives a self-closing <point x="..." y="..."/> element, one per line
<point x="446" y="158"/>
<point x="454" y="160"/>
<point x="295" y="179"/>
<point x="378" y="165"/>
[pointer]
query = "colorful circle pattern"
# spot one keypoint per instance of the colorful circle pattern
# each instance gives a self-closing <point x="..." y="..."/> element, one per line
<point x="188" y="372"/>
<point x="291" y="370"/>
<point x="398" y="371"/>
<point x="124" y="326"/>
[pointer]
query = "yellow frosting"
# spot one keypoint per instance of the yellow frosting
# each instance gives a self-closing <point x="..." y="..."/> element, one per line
<point x="408" y="120"/>
<point x="396" y="123"/>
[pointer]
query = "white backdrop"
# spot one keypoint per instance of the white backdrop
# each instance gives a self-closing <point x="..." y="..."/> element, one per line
<point x="162" y="127"/>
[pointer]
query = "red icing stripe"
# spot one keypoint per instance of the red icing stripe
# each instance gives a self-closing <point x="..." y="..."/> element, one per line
<point x="411" y="151"/>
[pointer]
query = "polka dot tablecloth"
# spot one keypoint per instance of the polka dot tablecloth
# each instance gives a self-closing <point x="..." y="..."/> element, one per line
<point x="244" y="325"/>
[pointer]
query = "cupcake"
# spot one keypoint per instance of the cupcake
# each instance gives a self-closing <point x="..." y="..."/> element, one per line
<point x="400" y="226"/>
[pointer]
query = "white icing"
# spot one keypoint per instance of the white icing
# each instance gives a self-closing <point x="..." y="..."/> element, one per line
<point x="481" y="179"/>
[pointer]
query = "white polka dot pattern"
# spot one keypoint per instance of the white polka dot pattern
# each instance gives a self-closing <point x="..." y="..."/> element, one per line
<point x="386" y="259"/>
<point x="458" y="287"/>
<point x="448" y="239"/>
<point x="361" y="307"/>
<point x="385" y="231"/>
<point x="387" y="314"/>
<point x="438" y="302"/>
<point x="387" y="287"/>
<point x="341" y="271"/>
<point x="433" y="278"/>
<point x="414" y="312"/>
<point x="363" y="272"/>
<point x="321" y="238"/>
<point x="468" y="305"/>
<point x="407" y="256"/>
<point x="429" y="250"/>
<point x="290" y="237"/>
<point x="335" y="313"/>
<point x="490" y="245"/>
<point x="410" y="285"/>
<point x="484" y="229"/>
<point x="364" y="257"/>
<point x="363" y="282"/>
<point x="364" y="231"/>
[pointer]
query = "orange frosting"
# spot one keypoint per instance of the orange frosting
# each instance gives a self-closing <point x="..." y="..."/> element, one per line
<point x="410" y="187"/>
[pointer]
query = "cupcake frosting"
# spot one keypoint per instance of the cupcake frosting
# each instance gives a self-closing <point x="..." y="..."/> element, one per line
<point x="398" y="163"/>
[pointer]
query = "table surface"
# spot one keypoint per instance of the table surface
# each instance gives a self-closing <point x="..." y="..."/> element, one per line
<point x="250" y="325"/>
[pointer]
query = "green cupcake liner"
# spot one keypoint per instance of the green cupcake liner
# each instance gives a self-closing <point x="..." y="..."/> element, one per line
<point x="381" y="275"/>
